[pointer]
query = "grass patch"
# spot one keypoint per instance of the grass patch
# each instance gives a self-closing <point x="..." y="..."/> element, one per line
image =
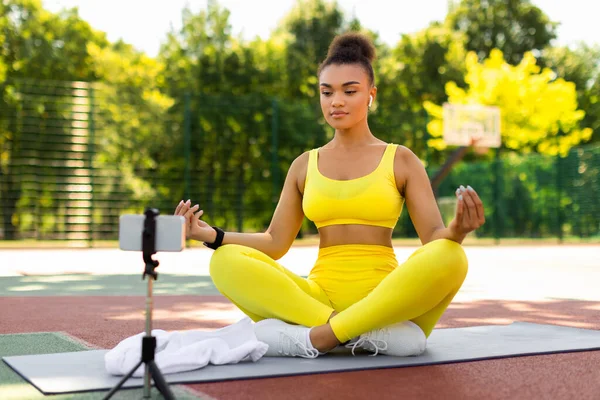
<point x="13" y="387"/>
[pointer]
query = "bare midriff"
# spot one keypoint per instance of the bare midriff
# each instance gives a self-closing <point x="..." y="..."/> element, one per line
<point x="335" y="235"/>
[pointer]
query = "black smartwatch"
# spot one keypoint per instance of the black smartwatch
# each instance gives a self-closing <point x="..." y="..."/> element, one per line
<point x="218" y="241"/>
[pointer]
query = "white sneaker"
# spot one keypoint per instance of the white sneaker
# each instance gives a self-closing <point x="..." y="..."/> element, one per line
<point x="285" y="339"/>
<point x="402" y="340"/>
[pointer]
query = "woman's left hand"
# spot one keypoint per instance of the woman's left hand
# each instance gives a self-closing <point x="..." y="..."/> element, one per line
<point x="469" y="212"/>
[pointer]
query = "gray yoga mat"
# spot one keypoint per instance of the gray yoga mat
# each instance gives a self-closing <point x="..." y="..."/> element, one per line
<point x="84" y="370"/>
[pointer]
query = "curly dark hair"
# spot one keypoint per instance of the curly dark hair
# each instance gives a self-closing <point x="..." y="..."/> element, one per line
<point x="351" y="48"/>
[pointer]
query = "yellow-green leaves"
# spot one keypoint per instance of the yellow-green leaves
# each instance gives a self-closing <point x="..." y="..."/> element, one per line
<point x="539" y="112"/>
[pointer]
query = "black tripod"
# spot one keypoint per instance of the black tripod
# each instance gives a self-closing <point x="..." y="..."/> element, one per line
<point x="148" y="341"/>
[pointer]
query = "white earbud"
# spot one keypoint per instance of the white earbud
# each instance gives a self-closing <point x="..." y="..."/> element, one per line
<point x="370" y="100"/>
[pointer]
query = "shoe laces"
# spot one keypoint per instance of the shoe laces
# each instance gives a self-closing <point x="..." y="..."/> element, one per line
<point x="291" y="345"/>
<point x="373" y="341"/>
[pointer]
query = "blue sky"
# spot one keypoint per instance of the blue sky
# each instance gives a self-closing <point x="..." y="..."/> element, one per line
<point x="144" y="23"/>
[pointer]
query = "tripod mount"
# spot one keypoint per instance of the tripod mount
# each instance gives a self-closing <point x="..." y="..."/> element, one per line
<point x="148" y="341"/>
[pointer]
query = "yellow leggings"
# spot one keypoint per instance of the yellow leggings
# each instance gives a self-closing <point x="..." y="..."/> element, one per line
<point x="363" y="283"/>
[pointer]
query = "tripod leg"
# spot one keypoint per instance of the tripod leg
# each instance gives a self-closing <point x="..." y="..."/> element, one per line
<point x="122" y="381"/>
<point x="159" y="381"/>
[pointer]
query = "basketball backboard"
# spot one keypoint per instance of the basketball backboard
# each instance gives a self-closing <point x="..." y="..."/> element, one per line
<point x="471" y="124"/>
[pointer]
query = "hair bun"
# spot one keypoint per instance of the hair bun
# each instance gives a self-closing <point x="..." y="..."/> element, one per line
<point x="352" y="44"/>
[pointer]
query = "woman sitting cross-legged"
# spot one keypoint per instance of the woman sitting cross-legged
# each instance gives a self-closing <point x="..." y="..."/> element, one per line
<point x="353" y="188"/>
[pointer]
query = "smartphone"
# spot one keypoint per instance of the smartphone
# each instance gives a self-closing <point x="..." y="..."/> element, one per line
<point x="170" y="232"/>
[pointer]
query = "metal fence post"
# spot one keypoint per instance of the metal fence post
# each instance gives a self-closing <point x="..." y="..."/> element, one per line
<point x="275" y="149"/>
<point x="559" y="190"/>
<point x="187" y="135"/>
<point x="91" y="150"/>
<point x="425" y="140"/>
<point x="498" y="228"/>
<point x="240" y="183"/>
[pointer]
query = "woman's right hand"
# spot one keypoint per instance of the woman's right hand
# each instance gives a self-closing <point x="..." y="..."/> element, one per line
<point x="195" y="228"/>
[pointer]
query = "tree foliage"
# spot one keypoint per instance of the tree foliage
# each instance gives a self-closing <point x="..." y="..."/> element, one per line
<point x="220" y="119"/>
<point x="513" y="26"/>
<point x="130" y="112"/>
<point x="580" y="65"/>
<point x="36" y="45"/>
<point x="306" y="32"/>
<point x="538" y="112"/>
<point x="416" y="70"/>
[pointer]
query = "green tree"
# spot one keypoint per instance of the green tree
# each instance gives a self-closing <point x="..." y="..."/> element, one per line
<point x="538" y="113"/>
<point x="580" y="65"/>
<point x="416" y="70"/>
<point x="36" y="45"/>
<point x="513" y="26"/>
<point x="197" y="52"/>
<point x="132" y="132"/>
<point x="307" y="32"/>
<point x="222" y="89"/>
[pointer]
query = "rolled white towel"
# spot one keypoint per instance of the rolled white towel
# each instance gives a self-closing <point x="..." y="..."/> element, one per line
<point x="181" y="351"/>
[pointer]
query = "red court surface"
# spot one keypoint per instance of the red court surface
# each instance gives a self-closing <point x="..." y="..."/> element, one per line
<point x="103" y="321"/>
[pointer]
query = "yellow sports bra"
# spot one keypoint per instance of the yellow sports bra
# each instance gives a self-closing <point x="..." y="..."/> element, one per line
<point x="372" y="199"/>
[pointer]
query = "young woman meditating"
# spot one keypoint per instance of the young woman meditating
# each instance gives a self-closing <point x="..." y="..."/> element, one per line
<point x="353" y="188"/>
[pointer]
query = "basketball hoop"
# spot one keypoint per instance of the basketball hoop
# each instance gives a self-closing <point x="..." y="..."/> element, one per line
<point x="472" y="125"/>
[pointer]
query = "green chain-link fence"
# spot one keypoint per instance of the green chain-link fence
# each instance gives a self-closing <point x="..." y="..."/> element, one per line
<point x="536" y="196"/>
<point x="75" y="156"/>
